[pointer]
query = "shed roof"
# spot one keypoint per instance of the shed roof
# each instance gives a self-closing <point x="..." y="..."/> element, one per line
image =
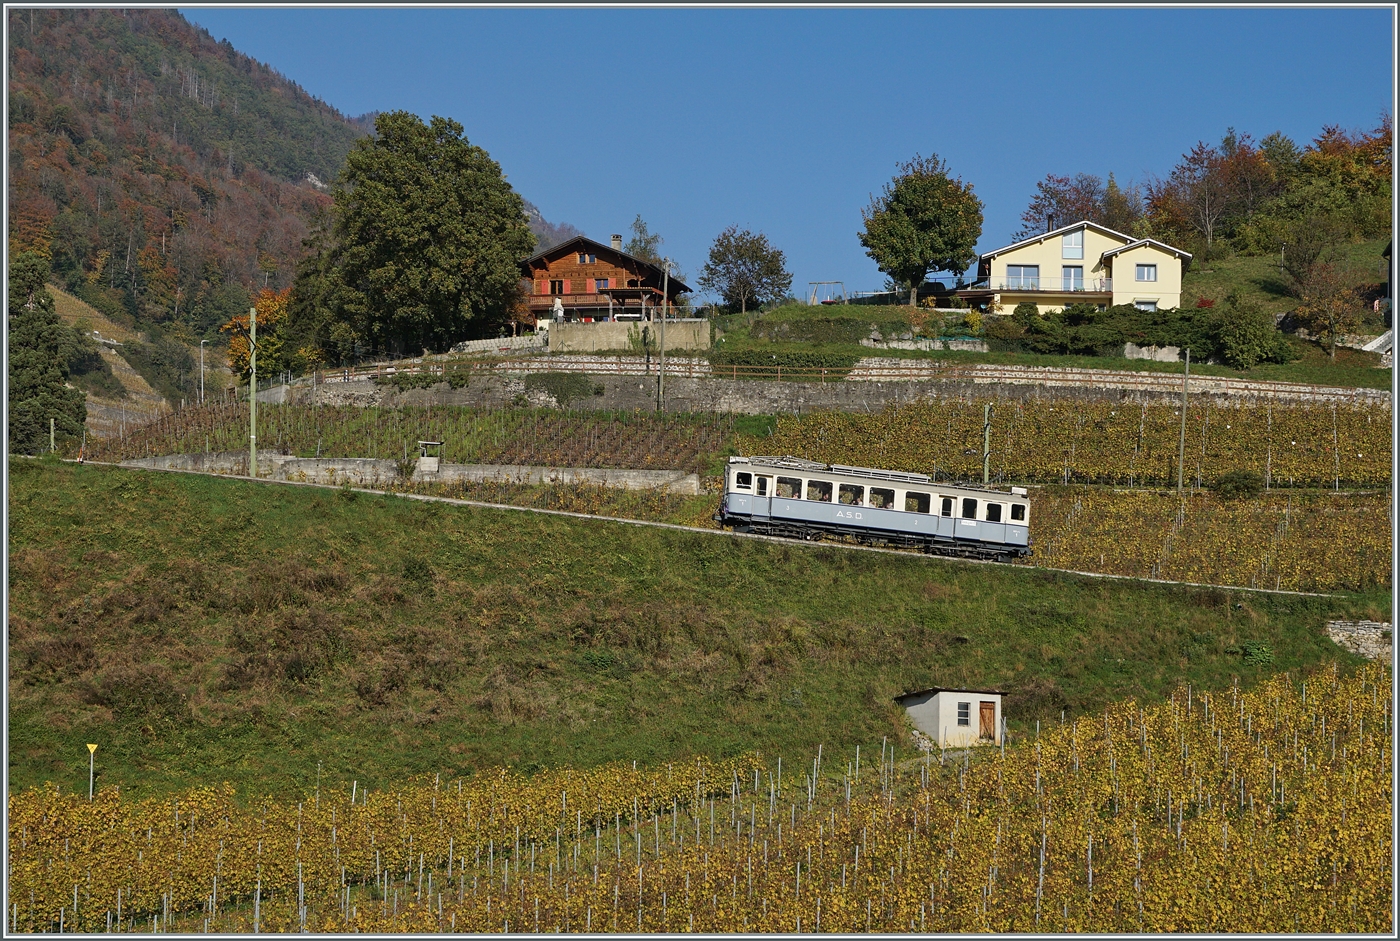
<point x="943" y="689"/>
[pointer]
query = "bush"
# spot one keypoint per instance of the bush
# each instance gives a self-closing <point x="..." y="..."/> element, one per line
<point x="1245" y="335"/>
<point x="1026" y="309"/>
<point x="1238" y="484"/>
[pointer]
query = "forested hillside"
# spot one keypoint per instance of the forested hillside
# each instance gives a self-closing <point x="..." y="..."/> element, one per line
<point x="167" y="176"/>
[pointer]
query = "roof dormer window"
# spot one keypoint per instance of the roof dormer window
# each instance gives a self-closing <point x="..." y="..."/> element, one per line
<point x="1072" y="244"/>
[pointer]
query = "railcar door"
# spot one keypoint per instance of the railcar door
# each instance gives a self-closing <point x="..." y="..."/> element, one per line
<point x="763" y="496"/>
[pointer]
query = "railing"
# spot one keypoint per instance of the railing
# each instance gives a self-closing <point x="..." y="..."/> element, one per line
<point x="1059" y="285"/>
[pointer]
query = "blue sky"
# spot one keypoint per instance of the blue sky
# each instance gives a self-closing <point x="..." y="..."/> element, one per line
<point x="786" y="121"/>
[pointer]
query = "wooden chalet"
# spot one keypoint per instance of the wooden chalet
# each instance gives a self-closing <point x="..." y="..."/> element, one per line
<point x="594" y="282"/>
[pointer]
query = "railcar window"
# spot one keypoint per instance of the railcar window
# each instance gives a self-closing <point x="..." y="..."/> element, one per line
<point x="819" y="490"/>
<point x="743" y="481"/>
<point x="994" y="512"/>
<point x="790" y="487"/>
<point x="881" y="498"/>
<point x="947" y="506"/>
<point x="1018" y="511"/>
<point x="763" y="486"/>
<point x="916" y="502"/>
<point x="969" y="508"/>
<point x="851" y="495"/>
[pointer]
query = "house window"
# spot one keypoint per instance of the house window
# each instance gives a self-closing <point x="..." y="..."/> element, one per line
<point x="1073" y="276"/>
<point x="964" y="713"/>
<point x="556" y="287"/>
<point x="1145" y="305"/>
<point x="1147" y="272"/>
<point x="1023" y="276"/>
<point x="600" y="284"/>
<point x="584" y="258"/>
<point x="1072" y="244"/>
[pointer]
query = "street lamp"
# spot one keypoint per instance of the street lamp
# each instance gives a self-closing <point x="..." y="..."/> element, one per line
<point x="201" y="371"/>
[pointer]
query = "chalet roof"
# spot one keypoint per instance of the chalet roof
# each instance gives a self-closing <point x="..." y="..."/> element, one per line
<point x="579" y="242"/>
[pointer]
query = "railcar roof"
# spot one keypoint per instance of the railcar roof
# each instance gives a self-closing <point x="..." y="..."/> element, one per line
<point x="873" y="473"/>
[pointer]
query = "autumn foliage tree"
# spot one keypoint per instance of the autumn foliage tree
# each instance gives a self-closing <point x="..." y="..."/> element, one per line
<point x="924" y="220"/>
<point x="1330" y="308"/>
<point x="274" y="353"/>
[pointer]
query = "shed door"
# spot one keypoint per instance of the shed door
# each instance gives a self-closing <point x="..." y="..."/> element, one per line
<point x="987" y="722"/>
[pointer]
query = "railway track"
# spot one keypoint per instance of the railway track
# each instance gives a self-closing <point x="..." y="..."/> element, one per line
<point x="699" y="530"/>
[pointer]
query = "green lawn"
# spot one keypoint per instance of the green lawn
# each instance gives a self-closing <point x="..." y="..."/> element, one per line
<point x="203" y="629"/>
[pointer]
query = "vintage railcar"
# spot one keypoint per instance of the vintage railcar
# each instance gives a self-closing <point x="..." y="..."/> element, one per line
<point x="788" y="496"/>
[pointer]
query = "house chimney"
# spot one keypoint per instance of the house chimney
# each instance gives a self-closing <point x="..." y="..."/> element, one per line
<point x="617" y="243"/>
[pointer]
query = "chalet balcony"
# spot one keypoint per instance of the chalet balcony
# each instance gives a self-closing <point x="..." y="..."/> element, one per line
<point x="1060" y="285"/>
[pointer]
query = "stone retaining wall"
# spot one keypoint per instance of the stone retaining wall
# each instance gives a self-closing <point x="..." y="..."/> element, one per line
<point x="870" y="394"/>
<point x="1369" y="639"/>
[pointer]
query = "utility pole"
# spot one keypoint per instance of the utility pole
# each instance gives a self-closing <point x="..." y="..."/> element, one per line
<point x="51" y="435"/>
<point x="253" y="392"/>
<point x="661" y="359"/>
<point x="986" y="444"/>
<point x="1181" y="446"/>
<point x="201" y="371"/>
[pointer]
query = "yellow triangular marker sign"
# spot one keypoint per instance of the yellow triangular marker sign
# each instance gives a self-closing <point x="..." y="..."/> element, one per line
<point x="91" y="748"/>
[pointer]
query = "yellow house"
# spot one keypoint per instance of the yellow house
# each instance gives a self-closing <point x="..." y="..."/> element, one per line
<point x="1078" y="264"/>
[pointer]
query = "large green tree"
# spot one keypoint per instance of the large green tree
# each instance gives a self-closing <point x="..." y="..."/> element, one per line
<point x="923" y="221"/>
<point x="424" y="242"/>
<point x="744" y="267"/>
<point x="39" y="349"/>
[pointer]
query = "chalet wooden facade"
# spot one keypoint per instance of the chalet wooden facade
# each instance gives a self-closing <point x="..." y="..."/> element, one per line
<point x="594" y="282"/>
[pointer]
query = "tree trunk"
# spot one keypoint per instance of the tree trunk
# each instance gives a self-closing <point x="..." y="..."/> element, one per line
<point x="913" y="294"/>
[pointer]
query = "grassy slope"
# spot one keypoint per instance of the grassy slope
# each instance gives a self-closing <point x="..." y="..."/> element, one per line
<point x="204" y="629"/>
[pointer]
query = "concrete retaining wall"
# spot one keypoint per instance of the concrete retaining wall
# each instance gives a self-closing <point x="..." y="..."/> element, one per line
<point x="668" y="481"/>
<point x="373" y="472"/>
<point x="357" y="471"/>
<point x="1158" y="354"/>
<point x="1369" y="639"/>
<point x="623" y="335"/>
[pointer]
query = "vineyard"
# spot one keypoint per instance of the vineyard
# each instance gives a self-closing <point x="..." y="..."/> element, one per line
<point x="1037" y="441"/>
<point x="1294" y="542"/>
<point x="470" y="436"/>
<point x="1065" y="441"/>
<point x="1258" y="811"/>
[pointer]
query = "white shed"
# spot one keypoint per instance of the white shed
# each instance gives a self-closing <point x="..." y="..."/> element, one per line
<point x="956" y="718"/>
